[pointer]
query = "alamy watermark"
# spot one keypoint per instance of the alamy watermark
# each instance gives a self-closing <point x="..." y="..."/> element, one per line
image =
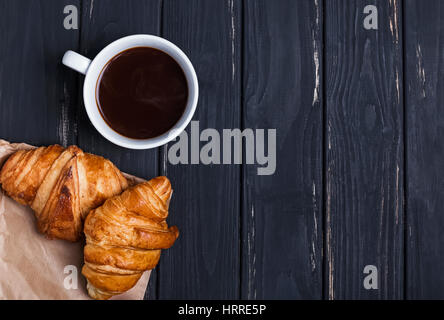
<point x="71" y="20"/>
<point x="70" y="282"/>
<point x="371" y="279"/>
<point x="371" y="18"/>
<point x="231" y="146"/>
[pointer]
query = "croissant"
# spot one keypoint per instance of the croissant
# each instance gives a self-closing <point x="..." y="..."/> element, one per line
<point x="124" y="238"/>
<point x="61" y="185"/>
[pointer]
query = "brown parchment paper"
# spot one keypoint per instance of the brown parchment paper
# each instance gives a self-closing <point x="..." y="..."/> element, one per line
<point x="33" y="267"/>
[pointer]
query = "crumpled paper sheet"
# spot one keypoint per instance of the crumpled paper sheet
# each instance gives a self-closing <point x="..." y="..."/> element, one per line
<point x="33" y="267"/>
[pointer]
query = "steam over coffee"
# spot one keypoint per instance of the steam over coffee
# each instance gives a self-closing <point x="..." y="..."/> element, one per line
<point x="142" y="93"/>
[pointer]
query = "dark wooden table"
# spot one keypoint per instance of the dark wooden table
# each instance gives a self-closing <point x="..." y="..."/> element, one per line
<point x="360" y="137"/>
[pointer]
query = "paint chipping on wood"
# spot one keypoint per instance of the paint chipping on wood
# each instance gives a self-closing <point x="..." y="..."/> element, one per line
<point x="315" y="33"/>
<point x="91" y="9"/>
<point x="329" y="135"/>
<point x="381" y="216"/>
<point x="394" y="23"/>
<point x="313" y="256"/>
<point x="329" y="244"/>
<point x="233" y="38"/>
<point x="165" y="160"/>
<point x="252" y="254"/>
<point x="63" y="126"/>
<point x="420" y="69"/>
<point x="314" y="239"/>
<point x="394" y="29"/>
<point x="315" y="209"/>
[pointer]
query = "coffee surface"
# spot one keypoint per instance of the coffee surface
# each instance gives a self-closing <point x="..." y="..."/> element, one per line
<point x="142" y="93"/>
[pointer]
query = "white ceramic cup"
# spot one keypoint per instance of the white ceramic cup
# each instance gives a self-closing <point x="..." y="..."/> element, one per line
<point x="92" y="70"/>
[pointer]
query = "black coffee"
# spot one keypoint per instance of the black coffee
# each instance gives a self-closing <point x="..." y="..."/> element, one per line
<point x="142" y="93"/>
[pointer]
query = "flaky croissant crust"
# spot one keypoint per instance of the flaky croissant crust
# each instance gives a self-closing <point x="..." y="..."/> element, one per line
<point x="124" y="237"/>
<point x="61" y="185"/>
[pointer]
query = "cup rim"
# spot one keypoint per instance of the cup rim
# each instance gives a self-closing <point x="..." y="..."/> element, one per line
<point x="90" y="84"/>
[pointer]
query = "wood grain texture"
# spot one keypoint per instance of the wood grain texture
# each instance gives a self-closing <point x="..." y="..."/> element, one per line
<point x="424" y="39"/>
<point x="204" y="262"/>
<point x="103" y="22"/>
<point x="335" y="203"/>
<point x="282" y="213"/>
<point x="37" y="94"/>
<point x="364" y="150"/>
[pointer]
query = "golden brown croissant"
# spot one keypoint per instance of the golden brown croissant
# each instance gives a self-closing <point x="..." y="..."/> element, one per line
<point x="61" y="185"/>
<point x="124" y="237"/>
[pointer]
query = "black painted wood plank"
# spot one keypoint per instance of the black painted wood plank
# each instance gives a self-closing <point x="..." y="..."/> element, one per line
<point x="364" y="150"/>
<point x="37" y="94"/>
<point x="282" y="213"/>
<point x="424" y="47"/>
<point x="103" y="22"/>
<point x="204" y="261"/>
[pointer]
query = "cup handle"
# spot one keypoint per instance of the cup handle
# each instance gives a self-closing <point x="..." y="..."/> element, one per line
<point x="76" y="61"/>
